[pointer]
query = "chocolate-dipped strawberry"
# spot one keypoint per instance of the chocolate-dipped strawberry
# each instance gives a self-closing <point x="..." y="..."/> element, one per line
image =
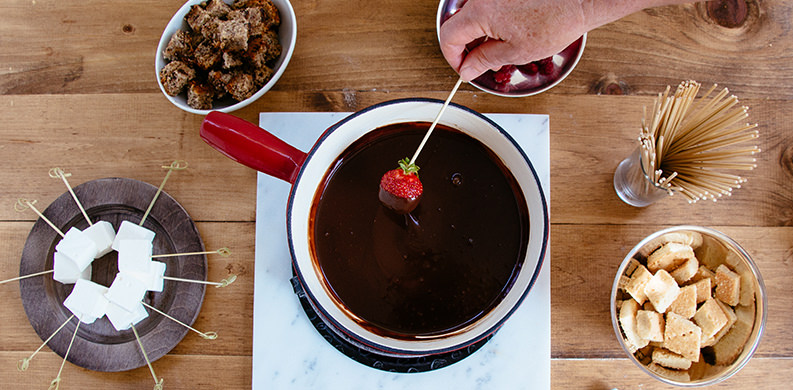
<point x="400" y="189"/>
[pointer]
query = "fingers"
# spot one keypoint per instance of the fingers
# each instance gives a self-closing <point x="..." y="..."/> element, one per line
<point x="456" y="33"/>
<point x="489" y="55"/>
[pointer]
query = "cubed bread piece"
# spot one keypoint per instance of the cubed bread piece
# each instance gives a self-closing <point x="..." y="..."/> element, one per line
<point x="702" y="273"/>
<point x="711" y="253"/>
<point x="627" y="319"/>
<point x="179" y="46"/>
<point x="675" y="375"/>
<point x="232" y="60"/>
<point x="637" y="282"/>
<point x="206" y="55"/>
<point x="747" y="288"/>
<point x="273" y="45"/>
<point x="218" y="80"/>
<point x="732" y="344"/>
<point x="682" y="336"/>
<point x="731" y="318"/>
<point x="690" y="238"/>
<point x="233" y="35"/>
<point x="686" y="302"/>
<point x="650" y="325"/>
<point x="174" y="76"/>
<point x="241" y="86"/>
<point x="661" y="290"/>
<point x="684" y="272"/>
<point x="669" y="359"/>
<point x="203" y="22"/>
<point x="199" y="96"/>
<point x="670" y="256"/>
<point x="261" y="76"/>
<point x="710" y="318"/>
<point x="704" y="290"/>
<point x="728" y="285"/>
<point x="218" y="8"/>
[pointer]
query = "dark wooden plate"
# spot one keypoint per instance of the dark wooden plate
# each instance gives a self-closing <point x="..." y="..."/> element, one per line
<point x="99" y="346"/>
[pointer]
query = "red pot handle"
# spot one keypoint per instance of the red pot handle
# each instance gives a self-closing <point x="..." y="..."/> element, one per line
<point x="252" y="146"/>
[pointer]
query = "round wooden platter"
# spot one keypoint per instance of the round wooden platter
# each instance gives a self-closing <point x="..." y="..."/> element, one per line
<point x="99" y="346"/>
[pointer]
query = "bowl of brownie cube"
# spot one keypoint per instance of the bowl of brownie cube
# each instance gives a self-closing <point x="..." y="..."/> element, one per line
<point x="689" y="306"/>
<point x="221" y="55"/>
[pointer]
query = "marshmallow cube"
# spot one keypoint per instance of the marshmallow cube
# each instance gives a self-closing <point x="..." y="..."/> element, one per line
<point x="131" y="231"/>
<point x="77" y="246"/>
<point x="134" y="256"/>
<point x="66" y="270"/>
<point x="126" y="291"/>
<point x="154" y="278"/>
<point x="102" y="234"/>
<point x="122" y="319"/>
<point x="87" y="300"/>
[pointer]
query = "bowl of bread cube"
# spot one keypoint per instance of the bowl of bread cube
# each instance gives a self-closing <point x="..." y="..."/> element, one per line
<point x="221" y="55"/>
<point x="688" y="306"/>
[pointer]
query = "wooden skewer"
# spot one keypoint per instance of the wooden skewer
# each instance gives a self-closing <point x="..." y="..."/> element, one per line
<point x="221" y="284"/>
<point x="24" y="204"/>
<point x="225" y="252"/>
<point x="57" y="381"/>
<point x="157" y="382"/>
<point x="23" y="364"/>
<point x="207" y="335"/>
<point x="177" y="165"/>
<point x="57" y="173"/>
<point x="435" y="122"/>
<point x="27" y="276"/>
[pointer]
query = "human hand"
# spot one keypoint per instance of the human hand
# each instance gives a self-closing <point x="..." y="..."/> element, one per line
<point x="517" y="32"/>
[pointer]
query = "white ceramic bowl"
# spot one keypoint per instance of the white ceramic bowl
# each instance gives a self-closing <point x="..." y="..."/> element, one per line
<point x="287" y="34"/>
<point x="743" y="264"/>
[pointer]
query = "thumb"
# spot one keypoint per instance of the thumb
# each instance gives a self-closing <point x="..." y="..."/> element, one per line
<point x="492" y="54"/>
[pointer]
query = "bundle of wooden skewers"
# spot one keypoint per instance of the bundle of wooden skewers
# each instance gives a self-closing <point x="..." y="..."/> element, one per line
<point x="688" y="143"/>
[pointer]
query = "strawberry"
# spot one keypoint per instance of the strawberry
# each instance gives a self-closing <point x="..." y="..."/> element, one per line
<point x="400" y="189"/>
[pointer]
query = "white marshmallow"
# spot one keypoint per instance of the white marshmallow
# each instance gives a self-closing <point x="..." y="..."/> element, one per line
<point x="77" y="246"/>
<point x="102" y="234"/>
<point x="134" y="256"/>
<point x="123" y="319"/>
<point x="154" y="278"/>
<point x="131" y="231"/>
<point x="66" y="271"/>
<point x="87" y="300"/>
<point x="126" y="291"/>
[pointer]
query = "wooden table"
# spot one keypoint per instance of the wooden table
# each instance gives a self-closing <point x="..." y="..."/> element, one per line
<point x="78" y="91"/>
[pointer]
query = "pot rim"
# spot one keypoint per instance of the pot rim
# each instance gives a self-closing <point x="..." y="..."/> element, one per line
<point x="366" y="342"/>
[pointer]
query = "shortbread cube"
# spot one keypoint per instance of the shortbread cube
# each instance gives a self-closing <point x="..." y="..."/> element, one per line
<point x="661" y="290"/>
<point x="682" y="336"/>
<point x="728" y="286"/>
<point x="650" y="325"/>
<point x="710" y="318"/>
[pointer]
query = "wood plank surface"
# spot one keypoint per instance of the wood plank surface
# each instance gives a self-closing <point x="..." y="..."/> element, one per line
<point x="78" y="90"/>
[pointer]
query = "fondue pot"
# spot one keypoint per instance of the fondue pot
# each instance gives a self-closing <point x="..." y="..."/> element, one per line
<point x="260" y="150"/>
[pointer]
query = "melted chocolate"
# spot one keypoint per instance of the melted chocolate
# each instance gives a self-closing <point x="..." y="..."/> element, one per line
<point x="436" y="269"/>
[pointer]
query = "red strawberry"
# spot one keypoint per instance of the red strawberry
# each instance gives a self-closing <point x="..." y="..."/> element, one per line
<point x="504" y="75"/>
<point x="400" y="189"/>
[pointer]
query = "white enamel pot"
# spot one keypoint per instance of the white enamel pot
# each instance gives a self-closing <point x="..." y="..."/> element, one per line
<point x="258" y="149"/>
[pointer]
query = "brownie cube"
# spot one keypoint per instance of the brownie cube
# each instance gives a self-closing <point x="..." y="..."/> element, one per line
<point x="175" y="75"/>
